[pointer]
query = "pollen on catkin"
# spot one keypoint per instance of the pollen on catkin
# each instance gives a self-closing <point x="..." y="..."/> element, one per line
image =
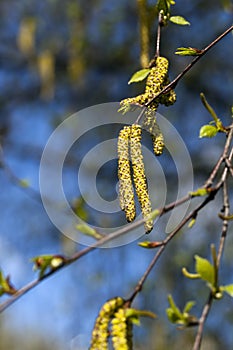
<point x="139" y="176"/>
<point x="100" y="333"/>
<point x="126" y="192"/>
<point x="156" y="81"/>
<point x="121" y="331"/>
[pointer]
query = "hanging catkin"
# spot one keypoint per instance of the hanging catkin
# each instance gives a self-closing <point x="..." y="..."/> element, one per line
<point x="139" y="176"/>
<point x="100" y="333"/>
<point x="126" y="192"/>
<point x="121" y="331"/>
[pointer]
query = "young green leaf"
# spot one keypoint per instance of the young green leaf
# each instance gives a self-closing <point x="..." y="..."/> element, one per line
<point x="150" y="245"/>
<point x="208" y="131"/>
<point x="179" y="20"/>
<point x="139" y="75"/>
<point x="173" y="312"/>
<point x="188" y="51"/>
<point x="88" y="230"/>
<point x="218" y="122"/>
<point x="227" y="289"/>
<point x="188" y="306"/>
<point x="205" y="269"/>
<point x="43" y="263"/>
<point x="130" y="312"/>
<point x="5" y="285"/>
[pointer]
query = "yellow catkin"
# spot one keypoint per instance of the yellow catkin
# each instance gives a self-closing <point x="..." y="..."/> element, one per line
<point x="126" y="192"/>
<point x="139" y="176"/>
<point x="100" y="333"/>
<point x="156" y="81"/>
<point x="121" y="331"/>
<point x="151" y="125"/>
<point x="169" y="98"/>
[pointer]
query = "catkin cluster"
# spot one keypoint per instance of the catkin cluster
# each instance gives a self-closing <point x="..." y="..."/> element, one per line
<point x="122" y="335"/>
<point x="156" y="81"/>
<point x="100" y="334"/>
<point x="129" y="149"/>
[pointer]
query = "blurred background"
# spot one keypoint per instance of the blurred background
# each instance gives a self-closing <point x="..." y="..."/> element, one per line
<point x="57" y="58"/>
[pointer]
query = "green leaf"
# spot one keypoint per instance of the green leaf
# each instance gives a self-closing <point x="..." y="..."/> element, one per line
<point x="217" y="121"/>
<point x="89" y="231"/>
<point x="179" y="20"/>
<point x="139" y="75"/>
<point x="5" y="285"/>
<point x="208" y="131"/>
<point x="173" y="312"/>
<point x="205" y="269"/>
<point x="188" y="51"/>
<point x="43" y="263"/>
<point x="130" y="312"/>
<point x="188" y="306"/>
<point x="78" y="206"/>
<point x="227" y="289"/>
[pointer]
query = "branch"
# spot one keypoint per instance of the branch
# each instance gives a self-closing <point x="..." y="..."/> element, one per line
<point x="67" y="261"/>
<point x="204" y="315"/>
<point x="226" y="212"/>
<point x="190" y="65"/>
<point x="165" y="242"/>
<point x="136" y="224"/>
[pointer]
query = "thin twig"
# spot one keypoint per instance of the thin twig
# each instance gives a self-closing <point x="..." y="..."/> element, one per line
<point x="76" y="256"/>
<point x="175" y="81"/>
<point x="204" y="315"/>
<point x="164" y="243"/>
<point x="226" y="206"/>
<point x="189" y="66"/>
<point x="117" y="234"/>
<point x="157" y="51"/>
<point x="222" y="183"/>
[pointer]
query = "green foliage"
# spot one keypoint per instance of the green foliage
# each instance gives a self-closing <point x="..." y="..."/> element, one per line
<point x="139" y="75"/>
<point x="183" y="318"/>
<point x="134" y="315"/>
<point x="78" y="206"/>
<point x="163" y="8"/>
<point x="208" y="131"/>
<point x="205" y="270"/>
<point x="88" y="231"/>
<point x="227" y="289"/>
<point x="188" y="51"/>
<point x="179" y="20"/>
<point x="208" y="272"/>
<point x="5" y="285"/>
<point x="164" y="5"/>
<point x="45" y="263"/>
